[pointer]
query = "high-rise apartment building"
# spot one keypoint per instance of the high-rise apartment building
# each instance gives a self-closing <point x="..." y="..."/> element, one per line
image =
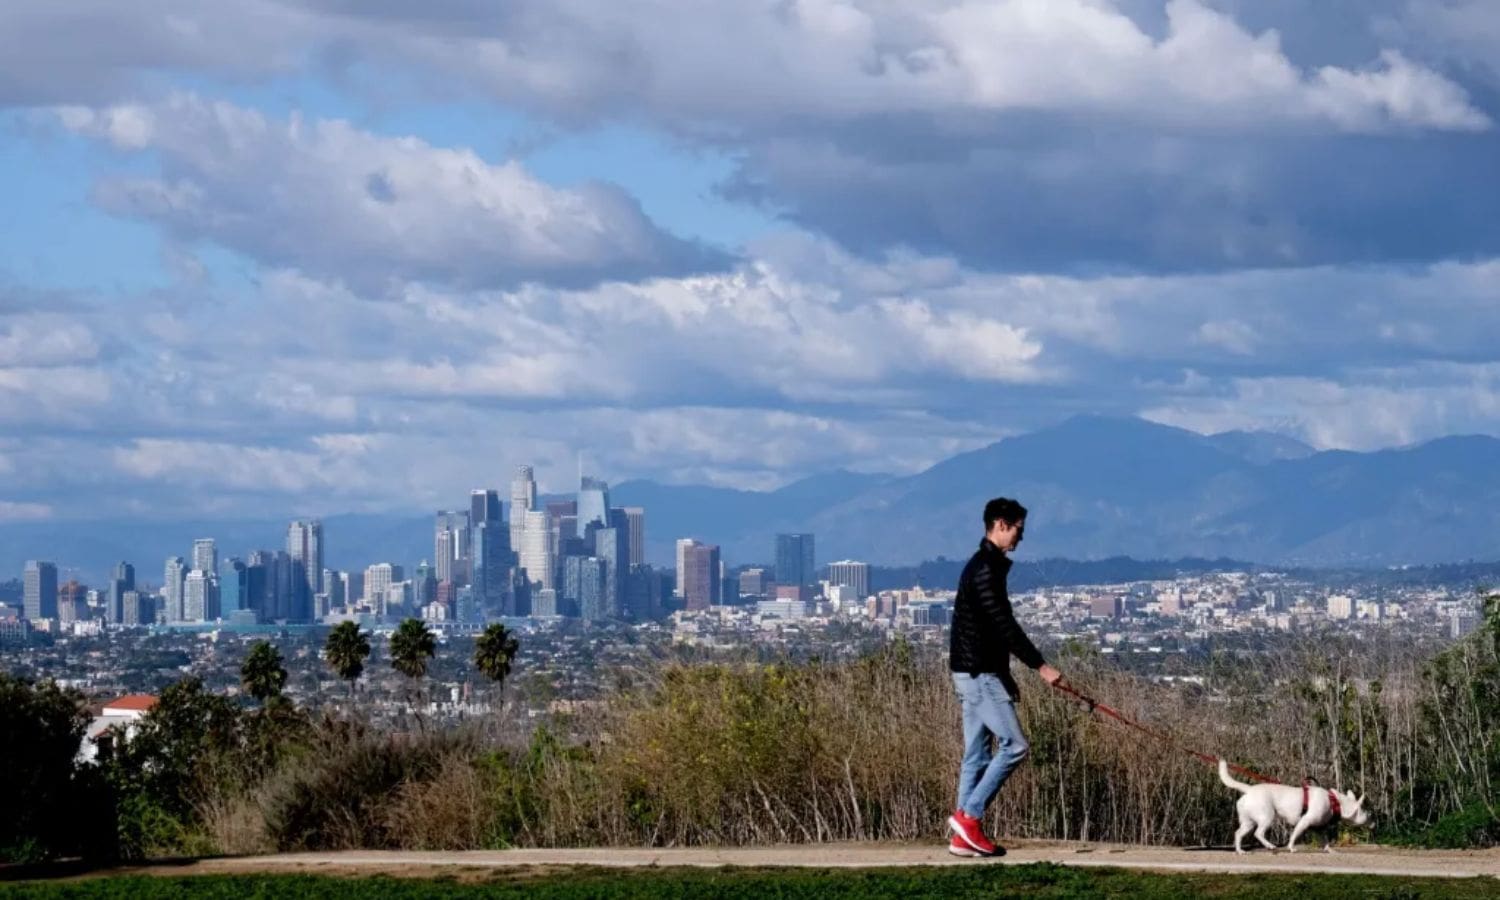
<point x="851" y="574"/>
<point x="522" y="501"/>
<point x="206" y="555"/>
<point x="378" y="581"/>
<point x="200" y="597"/>
<point x="39" y="590"/>
<point x="683" y="545"/>
<point x="173" y="577"/>
<point x="701" y="578"/>
<point x="794" y="560"/>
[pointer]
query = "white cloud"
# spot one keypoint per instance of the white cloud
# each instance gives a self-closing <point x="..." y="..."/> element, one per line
<point x="324" y="196"/>
<point x="846" y="59"/>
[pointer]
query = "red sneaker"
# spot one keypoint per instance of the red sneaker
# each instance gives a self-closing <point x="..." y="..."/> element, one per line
<point x="957" y="847"/>
<point x="967" y="828"/>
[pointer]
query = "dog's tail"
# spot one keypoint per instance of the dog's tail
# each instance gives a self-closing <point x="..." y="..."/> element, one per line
<point x="1228" y="779"/>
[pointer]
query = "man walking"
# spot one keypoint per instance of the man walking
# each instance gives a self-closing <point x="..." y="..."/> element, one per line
<point x="985" y="634"/>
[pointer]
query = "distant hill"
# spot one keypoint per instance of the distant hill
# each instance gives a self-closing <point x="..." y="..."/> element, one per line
<point x="1097" y="488"/>
<point x="1102" y="487"/>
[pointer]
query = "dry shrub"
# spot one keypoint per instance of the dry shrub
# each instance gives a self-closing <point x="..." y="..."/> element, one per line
<point x="342" y="793"/>
<point x="454" y="809"/>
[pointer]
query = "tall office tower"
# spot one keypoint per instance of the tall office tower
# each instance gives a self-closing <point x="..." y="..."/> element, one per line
<point x="234" y="585"/>
<point x="288" y="590"/>
<point x="424" y="584"/>
<point x="171" y="588"/>
<point x="484" y="506"/>
<point x="492" y="562"/>
<point x="122" y="579"/>
<point x="206" y="555"/>
<point x="259" y="581"/>
<point x="442" y="551"/>
<point x="593" y="503"/>
<point x="200" y="597"/>
<point x="522" y="501"/>
<point x="610" y="545"/>
<point x="794" y="560"/>
<point x="136" y="608"/>
<point x="753" y="583"/>
<point x="701" y="576"/>
<point x="851" y="574"/>
<point x="537" y="550"/>
<point x="333" y="588"/>
<point x="451" y="546"/>
<point x="683" y="545"/>
<point x="39" y="591"/>
<point x="635" y="524"/>
<point x="304" y="543"/>
<point x="378" y="579"/>
<point x="643" y="589"/>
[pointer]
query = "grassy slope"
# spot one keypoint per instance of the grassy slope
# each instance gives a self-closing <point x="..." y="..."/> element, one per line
<point x="1039" y="880"/>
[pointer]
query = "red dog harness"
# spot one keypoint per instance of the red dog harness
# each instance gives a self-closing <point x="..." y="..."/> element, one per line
<point x="1333" y="802"/>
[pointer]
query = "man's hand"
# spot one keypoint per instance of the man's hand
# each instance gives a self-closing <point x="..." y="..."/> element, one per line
<point x="1049" y="674"/>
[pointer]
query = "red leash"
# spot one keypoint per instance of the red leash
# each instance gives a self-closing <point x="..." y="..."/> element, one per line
<point x="1160" y="736"/>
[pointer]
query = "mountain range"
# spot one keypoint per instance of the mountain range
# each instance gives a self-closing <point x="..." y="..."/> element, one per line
<point x="1096" y="487"/>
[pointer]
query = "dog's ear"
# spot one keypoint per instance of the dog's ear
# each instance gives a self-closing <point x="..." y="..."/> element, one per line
<point x="1360" y="800"/>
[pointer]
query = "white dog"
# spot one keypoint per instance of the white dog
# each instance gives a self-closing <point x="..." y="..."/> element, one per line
<point x="1302" y="808"/>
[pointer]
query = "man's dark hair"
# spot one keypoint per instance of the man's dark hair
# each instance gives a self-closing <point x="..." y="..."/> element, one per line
<point x="1005" y="509"/>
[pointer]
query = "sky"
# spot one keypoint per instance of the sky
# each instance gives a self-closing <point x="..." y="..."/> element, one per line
<point x="319" y="256"/>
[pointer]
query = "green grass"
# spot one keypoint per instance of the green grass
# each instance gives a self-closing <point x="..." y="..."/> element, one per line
<point x="1036" y="880"/>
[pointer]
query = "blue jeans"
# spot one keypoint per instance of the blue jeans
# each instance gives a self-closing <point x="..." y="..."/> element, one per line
<point x="989" y="711"/>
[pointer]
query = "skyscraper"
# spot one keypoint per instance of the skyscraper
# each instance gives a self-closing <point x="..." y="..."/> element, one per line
<point x="683" y="545"/>
<point x="794" y="560"/>
<point x="635" y="524"/>
<point x="492" y="562"/>
<point x="122" y="579"/>
<point x="701" y="576"/>
<point x="593" y="504"/>
<point x="205" y="555"/>
<point x="484" y="506"/>
<point x="537" y="550"/>
<point x="304" y="543"/>
<point x="200" y="596"/>
<point x="378" y="581"/>
<point x="39" y="591"/>
<point x="171" y="588"/>
<point x="234" y="585"/>
<point x="522" y="501"/>
<point x="610" y="545"/>
<point x="452" y="560"/>
<point x="853" y="574"/>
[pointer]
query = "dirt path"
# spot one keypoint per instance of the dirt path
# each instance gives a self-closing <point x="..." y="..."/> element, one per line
<point x="1358" y="860"/>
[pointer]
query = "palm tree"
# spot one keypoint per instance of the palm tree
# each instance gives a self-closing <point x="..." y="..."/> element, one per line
<point x="262" y="673"/>
<point x="346" y="650"/>
<point x="494" y="651"/>
<point x="412" y="645"/>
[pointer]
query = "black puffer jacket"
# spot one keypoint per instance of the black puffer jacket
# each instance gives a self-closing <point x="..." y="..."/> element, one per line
<point x="985" y="632"/>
